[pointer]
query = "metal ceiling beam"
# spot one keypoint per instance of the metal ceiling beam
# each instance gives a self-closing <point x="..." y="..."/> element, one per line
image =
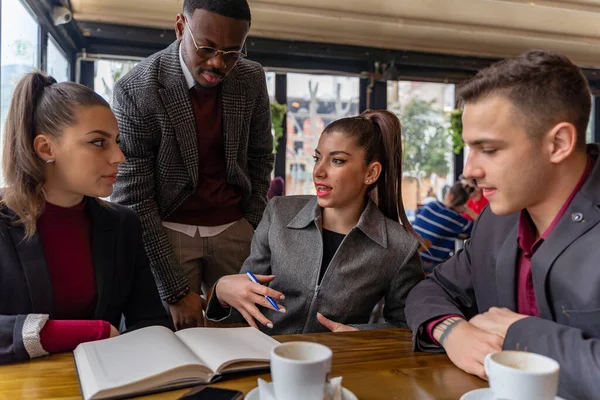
<point x="141" y="42"/>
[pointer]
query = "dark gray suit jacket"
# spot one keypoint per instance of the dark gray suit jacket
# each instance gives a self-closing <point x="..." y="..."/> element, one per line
<point x="125" y="284"/>
<point x="377" y="259"/>
<point x="158" y="138"/>
<point x="566" y="278"/>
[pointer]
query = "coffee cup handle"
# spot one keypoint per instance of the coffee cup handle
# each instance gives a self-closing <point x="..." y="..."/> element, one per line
<point x="486" y="364"/>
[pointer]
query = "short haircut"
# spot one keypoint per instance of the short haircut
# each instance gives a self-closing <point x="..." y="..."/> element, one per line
<point x="236" y="9"/>
<point x="546" y="87"/>
<point x="459" y="194"/>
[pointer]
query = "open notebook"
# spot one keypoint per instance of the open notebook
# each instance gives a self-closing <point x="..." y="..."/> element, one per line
<point x="155" y="359"/>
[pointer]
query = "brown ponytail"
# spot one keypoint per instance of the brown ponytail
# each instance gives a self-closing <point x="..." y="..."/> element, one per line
<point x="379" y="133"/>
<point x="38" y="105"/>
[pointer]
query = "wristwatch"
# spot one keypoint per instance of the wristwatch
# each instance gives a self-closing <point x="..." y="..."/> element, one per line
<point x="176" y="297"/>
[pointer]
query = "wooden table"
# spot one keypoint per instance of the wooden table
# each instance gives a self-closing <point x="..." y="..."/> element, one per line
<point x="374" y="365"/>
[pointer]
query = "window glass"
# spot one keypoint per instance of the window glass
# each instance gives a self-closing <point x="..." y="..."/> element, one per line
<point x="424" y="109"/>
<point x="20" y="47"/>
<point x="107" y="73"/>
<point x="314" y="101"/>
<point x="58" y="65"/>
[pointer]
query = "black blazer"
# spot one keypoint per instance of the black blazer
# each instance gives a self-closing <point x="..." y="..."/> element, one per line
<point x="125" y="284"/>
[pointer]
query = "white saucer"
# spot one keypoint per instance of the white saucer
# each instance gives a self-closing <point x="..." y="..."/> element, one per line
<point x="484" y="394"/>
<point x="254" y="394"/>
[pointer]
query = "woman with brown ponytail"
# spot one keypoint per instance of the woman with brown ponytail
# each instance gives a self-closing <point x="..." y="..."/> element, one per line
<point x="70" y="264"/>
<point x="334" y="255"/>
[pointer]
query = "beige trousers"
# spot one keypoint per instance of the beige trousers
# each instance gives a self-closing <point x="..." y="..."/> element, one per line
<point x="206" y="259"/>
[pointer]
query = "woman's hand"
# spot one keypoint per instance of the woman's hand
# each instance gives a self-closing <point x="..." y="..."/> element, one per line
<point x="113" y="332"/>
<point x="241" y="293"/>
<point x="334" y="326"/>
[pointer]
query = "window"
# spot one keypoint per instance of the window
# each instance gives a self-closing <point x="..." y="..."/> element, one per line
<point x="108" y="72"/>
<point x="314" y="101"/>
<point x="58" y="64"/>
<point x="19" y="52"/>
<point x="592" y="124"/>
<point x="270" y="77"/>
<point x="424" y="109"/>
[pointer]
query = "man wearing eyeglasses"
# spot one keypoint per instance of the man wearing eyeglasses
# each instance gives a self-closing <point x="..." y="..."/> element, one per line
<point x="195" y="128"/>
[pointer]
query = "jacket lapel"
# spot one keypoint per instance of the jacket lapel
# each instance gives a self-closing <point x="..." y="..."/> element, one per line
<point x="582" y="215"/>
<point x="103" y="252"/>
<point x="506" y="268"/>
<point x="176" y="100"/>
<point x="34" y="266"/>
<point x="309" y="213"/>
<point x="372" y="224"/>
<point x="569" y="228"/>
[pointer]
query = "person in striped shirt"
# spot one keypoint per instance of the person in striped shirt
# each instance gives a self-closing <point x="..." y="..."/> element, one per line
<point x="440" y="224"/>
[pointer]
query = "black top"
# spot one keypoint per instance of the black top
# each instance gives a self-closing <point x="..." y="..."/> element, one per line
<point x="331" y="242"/>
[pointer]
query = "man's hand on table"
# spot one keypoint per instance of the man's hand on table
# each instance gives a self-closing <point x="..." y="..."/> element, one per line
<point x="466" y="345"/>
<point x="496" y="320"/>
<point x="187" y="313"/>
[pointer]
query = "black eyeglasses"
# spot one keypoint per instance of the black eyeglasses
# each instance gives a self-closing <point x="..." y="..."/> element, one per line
<point x="210" y="52"/>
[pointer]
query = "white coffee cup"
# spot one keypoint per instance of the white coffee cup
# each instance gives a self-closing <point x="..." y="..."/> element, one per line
<point x="300" y="370"/>
<point x="519" y="375"/>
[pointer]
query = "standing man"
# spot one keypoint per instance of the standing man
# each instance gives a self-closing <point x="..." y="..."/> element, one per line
<point x="529" y="278"/>
<point x="195" y="128"/>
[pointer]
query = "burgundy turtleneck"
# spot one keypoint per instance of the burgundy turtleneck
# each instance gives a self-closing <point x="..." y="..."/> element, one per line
<point x="66" y="237"/>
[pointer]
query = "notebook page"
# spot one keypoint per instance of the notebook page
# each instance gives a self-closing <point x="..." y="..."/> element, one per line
<point x="217" y="346"/>
<point x="135" y="355"/>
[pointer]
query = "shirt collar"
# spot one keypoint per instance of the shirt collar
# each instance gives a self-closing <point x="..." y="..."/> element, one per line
<point x="371" y="222"/>
<point x="189" y="79"/>
<point x="526" y="229"/>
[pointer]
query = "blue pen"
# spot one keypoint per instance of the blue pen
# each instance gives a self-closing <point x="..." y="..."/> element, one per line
<point x="253" y="279"/>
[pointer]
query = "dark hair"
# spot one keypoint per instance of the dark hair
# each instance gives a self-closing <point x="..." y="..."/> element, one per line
<point x="236" y="9"/>
<point x="460" y="194"/>
<point x="546" y="87"/>
<point x="379" y="133"/>
<point x="39" y="105"/>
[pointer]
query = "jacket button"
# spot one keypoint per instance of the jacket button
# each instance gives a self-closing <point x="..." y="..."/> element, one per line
<point x="577" y="217"/>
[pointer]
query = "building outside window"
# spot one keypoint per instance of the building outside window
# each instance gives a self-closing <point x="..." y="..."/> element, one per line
<point x="314" y="101"/>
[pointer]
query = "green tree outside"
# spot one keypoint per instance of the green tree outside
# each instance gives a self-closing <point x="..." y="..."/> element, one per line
<point x="425" y="142"/>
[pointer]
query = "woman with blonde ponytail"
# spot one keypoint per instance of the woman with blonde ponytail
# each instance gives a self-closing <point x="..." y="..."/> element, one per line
<point x="328" y="259"/>
<point x="70" y="265"/>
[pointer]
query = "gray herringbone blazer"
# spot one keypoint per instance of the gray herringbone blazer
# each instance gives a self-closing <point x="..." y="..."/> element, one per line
<point x="377" y="259"/>
<point x="158" y="138"/>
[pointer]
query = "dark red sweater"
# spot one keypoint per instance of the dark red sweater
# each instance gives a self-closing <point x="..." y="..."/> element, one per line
<point x="67" y="242"/>
<point x="215" y="202"/>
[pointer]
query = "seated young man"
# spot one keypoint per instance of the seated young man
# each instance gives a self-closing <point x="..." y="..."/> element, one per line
<point x="529" y="278"/>
<point x="440" y="224"/>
